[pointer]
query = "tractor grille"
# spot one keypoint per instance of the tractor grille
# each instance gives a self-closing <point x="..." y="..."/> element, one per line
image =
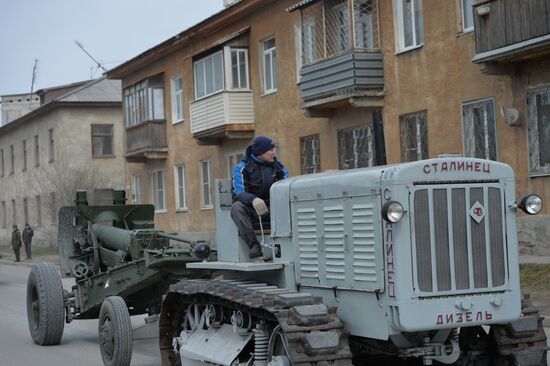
<point x="454" y="253"/>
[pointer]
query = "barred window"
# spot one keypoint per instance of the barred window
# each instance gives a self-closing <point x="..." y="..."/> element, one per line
<point x="414" y="136"/>
<point x="539" y="131"/>
<point x="327" y="28"/>
<point x="102" y="140"/>
<point x="479" y="130"/>
<point x="356" y="147"/>
<point x="309" y="154"/>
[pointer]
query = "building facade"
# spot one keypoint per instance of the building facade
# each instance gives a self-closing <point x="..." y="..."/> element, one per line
<point x="73" y="140"/>
<point x="338" y="84"/>
<point x="16" y="105"/>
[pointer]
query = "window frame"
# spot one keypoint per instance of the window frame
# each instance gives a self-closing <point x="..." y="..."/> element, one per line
<point x="487" y="144"/>
<point x="272" y="53"/>
<point x="400" y="29"/>
<point x="196" y="79"/>
<point x="100" y="135"/>
<point x="140" y="101"/>
<point x="155" y="189"/>
<point x="137" y="189"/>
<point x="206" y="205"/>
<point x="36" y="150"/>
<point x="229" y="157"/>
<point x="316" y="161"/>
<point x="418" y="127"/>
<point x="177" y="100"/>
<point x="228" y="54"/>
<point x="12" y="159"/>
<point x="535" y="170"/>
<point x="180" y="185"/>
<point x="51" y="146"/>
<point x="463" y="16"/>
<point x="371" y="148"/>
<point x="24" y="147"/>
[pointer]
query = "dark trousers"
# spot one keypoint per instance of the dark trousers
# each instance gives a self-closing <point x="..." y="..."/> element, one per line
<point x="17" y="256"/>
<point x="245" y="218"/>
<point x="28" y="250"/>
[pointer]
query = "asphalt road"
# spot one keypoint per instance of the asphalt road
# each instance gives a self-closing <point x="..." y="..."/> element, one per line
<point x="79" y="345"/>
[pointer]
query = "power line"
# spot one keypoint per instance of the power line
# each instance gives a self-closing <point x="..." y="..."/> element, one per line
<point x="90" y="56"/>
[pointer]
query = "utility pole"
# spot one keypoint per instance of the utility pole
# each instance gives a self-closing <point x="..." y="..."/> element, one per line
<point x="90" y="56"/>
<point x="34" y="69"/>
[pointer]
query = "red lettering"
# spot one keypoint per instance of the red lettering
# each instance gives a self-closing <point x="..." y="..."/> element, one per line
<point x="460" y="166"/>
<point x="443" y="167"/>
<point x="453" y="166"/>
<point x="486" y="168"/>
<point x="488" y="315"/>
<point x="469" y="316"/>
<point x="439" y="319"/>
<point x="459" y="317"/>
<point x="469" y="166"/>
<point x="435" y="167"/>
<point x="477" y="167"/>
<point x="479" y="316"/>
<point x="391" y="290"/>
<point x="427" y="169"/>
<point x="449" y="318"/>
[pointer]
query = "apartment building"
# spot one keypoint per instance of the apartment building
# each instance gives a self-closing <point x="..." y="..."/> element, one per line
<point x="72" y="140"/>
<point x="338" y="84"/>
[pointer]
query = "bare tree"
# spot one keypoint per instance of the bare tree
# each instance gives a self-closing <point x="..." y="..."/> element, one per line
<point x="58" y="188"/>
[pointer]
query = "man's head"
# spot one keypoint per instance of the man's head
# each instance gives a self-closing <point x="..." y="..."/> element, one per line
<point x="264" y="148"/>
<point x="14" y="227"/>
<point x="26" y="225"/>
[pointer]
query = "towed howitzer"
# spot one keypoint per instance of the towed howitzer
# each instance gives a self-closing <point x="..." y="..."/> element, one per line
<point x="122" y="266"/>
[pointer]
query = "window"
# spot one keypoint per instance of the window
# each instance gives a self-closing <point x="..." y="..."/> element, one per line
<point x="539" y="131"/>
<point x="102" y="141"/>
<point x="337" y="22"/>
<point x="356" y="147"/>
<point x="38" y="211"/>
<point x="36" y="151"/>
<point x="269" y="53"/>
<point x="26" y="210"/>
<point x="137" y="189"/>
<point x="414" y="136"/>
<point x="4" y="218"/>
<point x="177" y="100"/>
<point x="12" y="159"/>
<point x="144" y="101"/>
<point x="206" y="196"/>
<point x="232" y="160"/>
<point x="467" y="15"/>
<point x="53" y="207"/>
<point x="181" y="199"/>
<point x="14" y="214"/>
<point x="365" y="20"/>
<point x="208" y="75"/>
<point x="309" y="154"/>
<point x="478" y="129"/>
<point x="51" y="150"/>
<point x="158" y="190"/>
<point x="2" y="167"/>
<point x="410" y="28"/>
<point x="24" y="155"/>
<point x="239" y="68"/>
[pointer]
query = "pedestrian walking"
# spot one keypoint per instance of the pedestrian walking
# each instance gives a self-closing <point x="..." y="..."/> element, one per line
<point x="16" y="242"/>
<point x="27" y="239"/>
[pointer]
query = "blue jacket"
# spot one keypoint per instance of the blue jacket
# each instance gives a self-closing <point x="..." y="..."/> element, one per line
<point x="253" y="177"/>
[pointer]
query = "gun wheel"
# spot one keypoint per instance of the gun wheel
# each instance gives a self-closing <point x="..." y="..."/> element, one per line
<point x="45" y="311"/>
<point x="115" y="332"/>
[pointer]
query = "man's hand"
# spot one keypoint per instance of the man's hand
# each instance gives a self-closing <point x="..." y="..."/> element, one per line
<point x="260" y="206"/>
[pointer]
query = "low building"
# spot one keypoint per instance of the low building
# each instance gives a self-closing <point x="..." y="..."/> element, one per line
<point x="16" y="105"/>
<point x="73" y="140"/>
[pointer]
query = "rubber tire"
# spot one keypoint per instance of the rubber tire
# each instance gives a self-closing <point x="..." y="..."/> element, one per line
<point x="114" y="308"/>
<point x="44" y="285"/>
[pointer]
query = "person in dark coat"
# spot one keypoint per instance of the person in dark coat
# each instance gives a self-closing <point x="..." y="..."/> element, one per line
<point x="16" y="242"/>
<point x="251" y="181"/>
<point x="27" y="238"/>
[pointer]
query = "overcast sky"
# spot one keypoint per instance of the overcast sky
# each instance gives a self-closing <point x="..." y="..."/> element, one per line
<point x="113" y="31"/>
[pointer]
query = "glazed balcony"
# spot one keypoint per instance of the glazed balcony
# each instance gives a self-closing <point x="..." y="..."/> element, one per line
<point x="509" y="31"/>
<point x="224" y="115"/>
<point x="146" y="140"/>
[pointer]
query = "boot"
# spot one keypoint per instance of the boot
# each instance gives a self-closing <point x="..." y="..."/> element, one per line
<point x="255" y="251"/>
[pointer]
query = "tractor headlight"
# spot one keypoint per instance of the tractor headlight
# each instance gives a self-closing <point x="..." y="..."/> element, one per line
<point x="392" y="211"/>
<point x="531" y="204"/>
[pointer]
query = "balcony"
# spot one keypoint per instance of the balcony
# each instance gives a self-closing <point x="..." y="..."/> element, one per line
<point x="146" y="140"/>
<point x="510" y="31"/>
<point x="224" y="115"/>
<point x="342" y="62"/>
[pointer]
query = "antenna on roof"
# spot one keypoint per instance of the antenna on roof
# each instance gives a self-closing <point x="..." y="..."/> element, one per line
<point x="90" y="56"/>
<point x="34" y="69"/>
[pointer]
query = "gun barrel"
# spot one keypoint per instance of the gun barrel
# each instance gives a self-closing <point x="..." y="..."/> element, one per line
<point x="112" y="237"/>
<point x="175" y="237"/>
